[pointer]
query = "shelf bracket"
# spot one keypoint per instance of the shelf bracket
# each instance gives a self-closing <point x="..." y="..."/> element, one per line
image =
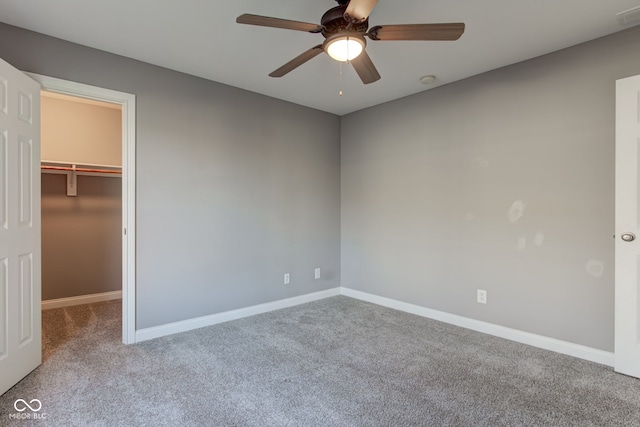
<point x="72" y="183"/>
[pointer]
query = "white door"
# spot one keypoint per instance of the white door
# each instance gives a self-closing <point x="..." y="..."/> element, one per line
<point x="20" y="315"/>
<point x="627" y="227"/>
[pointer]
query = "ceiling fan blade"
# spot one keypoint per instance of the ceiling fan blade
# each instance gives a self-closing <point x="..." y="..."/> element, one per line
<point x="265" y="21"/>
<point x="297" y="61"/>
<point x="365" y="68"/>
<point x="451" y="31"/>
<point x="359" y="10"/>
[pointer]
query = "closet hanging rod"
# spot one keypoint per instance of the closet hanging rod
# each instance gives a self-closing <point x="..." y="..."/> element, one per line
<point x="80" y="164"/>
<point x="87" y="170"/>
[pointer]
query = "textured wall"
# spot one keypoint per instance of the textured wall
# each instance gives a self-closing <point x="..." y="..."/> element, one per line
<point x="81" y="237"/>
<point x="233" y="188"/>
<point x="503" y="182"/>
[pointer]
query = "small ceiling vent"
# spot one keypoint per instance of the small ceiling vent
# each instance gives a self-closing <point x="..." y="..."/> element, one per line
<point x="629" y="17"/>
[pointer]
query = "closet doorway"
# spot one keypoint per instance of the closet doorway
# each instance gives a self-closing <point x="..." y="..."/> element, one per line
<point x="88" y="174"/>
<point x="81" y="165"/>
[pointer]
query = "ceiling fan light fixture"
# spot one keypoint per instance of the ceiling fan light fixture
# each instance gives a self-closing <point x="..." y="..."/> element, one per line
<point x="344" y="28"/>
<point x="344" y="48"/>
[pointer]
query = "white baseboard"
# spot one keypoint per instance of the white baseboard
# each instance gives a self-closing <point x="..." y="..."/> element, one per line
<point x="214" y="319"/>
<point x="82" y="299"/>
<point x="552" y="344"/>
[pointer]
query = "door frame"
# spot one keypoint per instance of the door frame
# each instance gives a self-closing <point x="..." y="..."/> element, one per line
<point x="128" y="103"/>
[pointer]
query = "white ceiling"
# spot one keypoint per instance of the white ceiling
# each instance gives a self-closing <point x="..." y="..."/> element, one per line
<point x="201" y="38"/>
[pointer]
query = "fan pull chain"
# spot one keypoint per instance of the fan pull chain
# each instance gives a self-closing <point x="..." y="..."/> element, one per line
<point x="348" y="46"/>
<point x="340" y="93"/>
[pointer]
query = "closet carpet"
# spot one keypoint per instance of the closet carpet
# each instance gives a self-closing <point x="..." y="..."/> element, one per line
<point x="334" y="362"/>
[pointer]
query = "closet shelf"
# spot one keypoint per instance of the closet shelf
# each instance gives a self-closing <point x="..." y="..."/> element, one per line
<point x="79" y="170"/>
<point x="90" y="169"/>
<point x="72" y="170"/>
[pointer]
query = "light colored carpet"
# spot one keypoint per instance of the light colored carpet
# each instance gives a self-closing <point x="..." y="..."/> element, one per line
<point x="335" y="362"/>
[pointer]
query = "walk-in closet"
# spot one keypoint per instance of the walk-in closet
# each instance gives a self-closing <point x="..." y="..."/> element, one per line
<point x="81" y="200"/>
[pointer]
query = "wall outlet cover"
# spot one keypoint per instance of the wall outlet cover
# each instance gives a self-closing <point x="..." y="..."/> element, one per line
<point x="482" y="296"/>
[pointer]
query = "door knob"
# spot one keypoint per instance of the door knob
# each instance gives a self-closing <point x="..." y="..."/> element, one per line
<point x="628" y="237"/>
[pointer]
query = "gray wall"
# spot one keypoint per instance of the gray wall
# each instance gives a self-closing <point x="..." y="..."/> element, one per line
<point x="81" y="240"/>
<point x="233" y="188"/>
<point x="503" y="182"/>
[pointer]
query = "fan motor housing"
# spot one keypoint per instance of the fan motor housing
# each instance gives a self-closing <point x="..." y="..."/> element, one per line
<point x="333" y="22"/>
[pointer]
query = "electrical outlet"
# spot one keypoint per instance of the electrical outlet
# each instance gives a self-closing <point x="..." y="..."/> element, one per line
<point x="482" y="296"/>
<point x="317" y="273"/>
<point x="287" y="278"/>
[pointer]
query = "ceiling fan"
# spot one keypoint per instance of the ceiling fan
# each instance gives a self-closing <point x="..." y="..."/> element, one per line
<point x="344" y="28"/>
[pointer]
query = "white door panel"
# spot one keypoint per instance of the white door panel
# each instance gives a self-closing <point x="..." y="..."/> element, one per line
<point x="20" y="293"/>
<point x="627" y="218"/>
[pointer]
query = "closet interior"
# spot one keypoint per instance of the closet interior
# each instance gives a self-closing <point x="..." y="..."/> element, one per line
<point x="81" y="199"/>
